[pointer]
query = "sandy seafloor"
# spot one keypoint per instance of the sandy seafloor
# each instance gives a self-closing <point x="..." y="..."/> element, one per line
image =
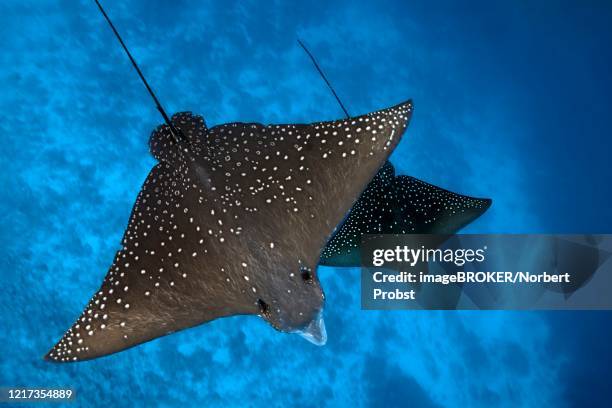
<point x="512" y="101"/>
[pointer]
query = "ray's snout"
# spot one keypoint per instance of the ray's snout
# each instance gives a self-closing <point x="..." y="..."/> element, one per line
<point x="315" y="331"/>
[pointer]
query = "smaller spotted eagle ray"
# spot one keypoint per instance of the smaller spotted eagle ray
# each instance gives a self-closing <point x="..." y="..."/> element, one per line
<point x="396" y="205"/>
<point x="399" y="205"/>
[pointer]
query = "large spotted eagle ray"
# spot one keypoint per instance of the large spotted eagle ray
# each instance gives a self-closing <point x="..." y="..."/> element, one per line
<point x="234" y="220"/>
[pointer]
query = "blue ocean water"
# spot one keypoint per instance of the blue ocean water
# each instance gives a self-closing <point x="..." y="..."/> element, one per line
<point x="512" y="101"/>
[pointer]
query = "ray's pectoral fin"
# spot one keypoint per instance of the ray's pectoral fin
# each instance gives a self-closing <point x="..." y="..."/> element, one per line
<point x="150" y="290"/>
<point x="399" y="205"/>
<point x="155" y="286"/>
<point x="440" y="211"/>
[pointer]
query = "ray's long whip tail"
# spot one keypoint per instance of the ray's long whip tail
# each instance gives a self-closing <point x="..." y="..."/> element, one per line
<point x="176" y="134"/>
<point x="331" y="88"/>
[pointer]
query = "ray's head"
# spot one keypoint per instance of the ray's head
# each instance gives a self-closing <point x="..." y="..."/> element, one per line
<point x="293" y="303"/>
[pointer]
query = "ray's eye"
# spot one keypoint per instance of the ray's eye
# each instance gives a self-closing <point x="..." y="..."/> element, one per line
<point x="263" y="308"/>
<point x="306" y="274"/>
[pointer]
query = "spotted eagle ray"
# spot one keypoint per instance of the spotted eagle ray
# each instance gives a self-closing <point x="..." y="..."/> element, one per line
<point x="233" y="220"/>
<point x="399" y="205"/>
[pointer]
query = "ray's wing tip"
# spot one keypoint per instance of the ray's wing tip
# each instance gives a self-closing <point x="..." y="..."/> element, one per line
<point x="57" y="355"/>
<point x="51" y="357"/>
<point x="405" y="109"/>
<point x="48" y="357"/>
<point x="56" y="359"/>
<point x="407" y="103"/>
<point x="481" y="205"/>
<point x="481" y="208"/>
<point x="484" y="204"/>
<point x="400" y="113"/>
<point x="406" y="106"/>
